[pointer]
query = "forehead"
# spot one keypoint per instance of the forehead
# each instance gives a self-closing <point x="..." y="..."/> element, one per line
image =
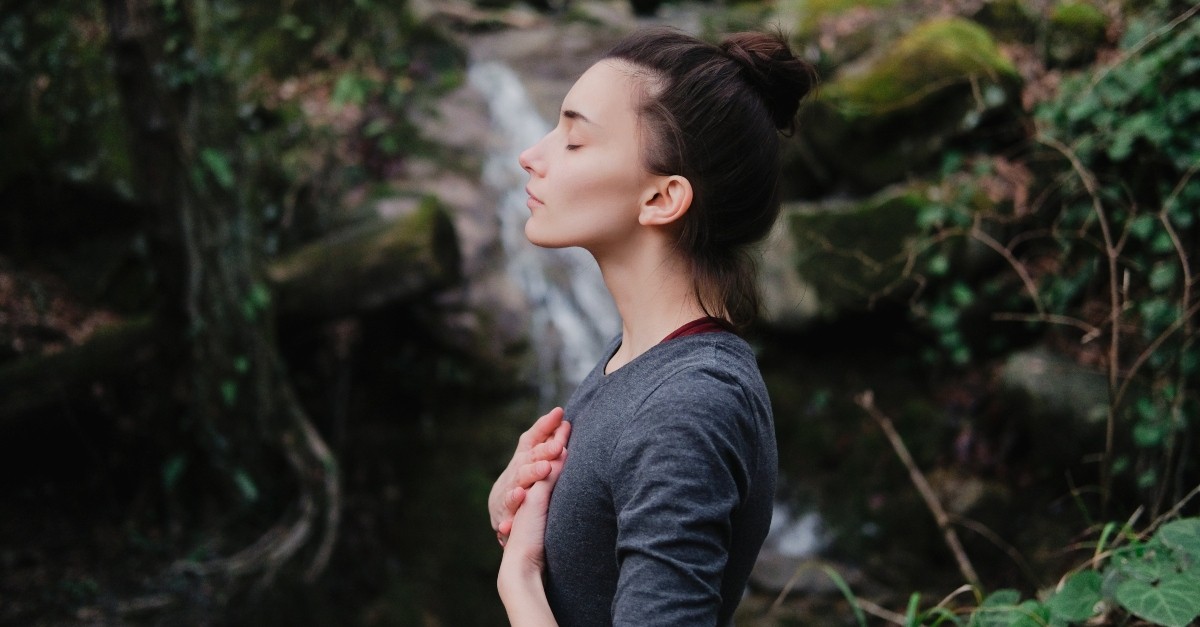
<point x="605" y="94"/>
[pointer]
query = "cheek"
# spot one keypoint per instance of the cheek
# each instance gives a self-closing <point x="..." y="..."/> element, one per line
<point x="609" y="182"/>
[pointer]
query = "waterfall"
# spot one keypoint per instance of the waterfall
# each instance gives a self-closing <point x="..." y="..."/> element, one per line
<point x="573" y="316"/>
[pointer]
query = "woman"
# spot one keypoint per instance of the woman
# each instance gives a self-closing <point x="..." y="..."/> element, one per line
<point x="663" y="166"/>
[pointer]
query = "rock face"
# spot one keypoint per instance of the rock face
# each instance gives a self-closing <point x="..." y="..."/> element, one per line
<point x="370" y="266"/>
<point x="944" y="83"/>
<point x="1056" y="385"/>
<point x="830" y="257"/>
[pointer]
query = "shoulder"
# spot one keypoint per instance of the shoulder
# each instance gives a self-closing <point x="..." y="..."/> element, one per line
<point x="707" y="372"/>
<point x="706" y="388"/>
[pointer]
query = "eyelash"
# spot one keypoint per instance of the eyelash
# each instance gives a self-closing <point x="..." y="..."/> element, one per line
<point x="572" y="146"/>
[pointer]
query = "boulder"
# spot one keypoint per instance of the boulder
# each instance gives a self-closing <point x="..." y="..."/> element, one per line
<point x="369" y="266"/>
<point x="1074" y="32"/>
<point x="1055" y="385"/>
<point x="1007" y="20"/>
<point x="944" y="83"/>
<point x="830" y="257"/>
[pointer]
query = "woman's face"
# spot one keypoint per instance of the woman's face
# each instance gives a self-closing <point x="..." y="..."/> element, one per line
<point x="586" y="177"/>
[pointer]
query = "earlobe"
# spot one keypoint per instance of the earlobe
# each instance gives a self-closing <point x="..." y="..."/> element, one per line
<point x="667" y="202"/>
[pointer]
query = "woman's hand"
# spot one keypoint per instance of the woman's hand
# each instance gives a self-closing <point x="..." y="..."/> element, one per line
<point x="520" y="579"/>
<point x="537" y="451"/>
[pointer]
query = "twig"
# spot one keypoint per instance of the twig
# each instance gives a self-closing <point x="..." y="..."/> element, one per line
<point x="1017" y="266"/>
<point x="1111" y="254"/>
<point x="1008" y="549"/>
<point x="1174" y="511"/>
<point x="866" y="400"/>
<point x="1090" y="330"/>
<point x="879" y="611"/>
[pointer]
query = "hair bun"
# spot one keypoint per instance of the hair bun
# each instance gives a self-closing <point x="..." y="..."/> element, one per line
<point x="781" y="78"/>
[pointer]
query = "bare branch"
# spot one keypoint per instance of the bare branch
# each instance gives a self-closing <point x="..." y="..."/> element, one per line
<point x="866" y="400"/>
<point x="1016" y="264"/>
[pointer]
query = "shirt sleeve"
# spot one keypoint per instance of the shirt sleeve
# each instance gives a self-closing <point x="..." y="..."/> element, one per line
<point x="678" y="474"/>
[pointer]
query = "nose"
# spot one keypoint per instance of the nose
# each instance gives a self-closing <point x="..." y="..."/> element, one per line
<point x="525" y="159"/>
<point x="529" y="160"/>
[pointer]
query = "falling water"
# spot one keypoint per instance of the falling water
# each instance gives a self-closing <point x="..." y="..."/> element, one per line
<point x="573" y="316"/>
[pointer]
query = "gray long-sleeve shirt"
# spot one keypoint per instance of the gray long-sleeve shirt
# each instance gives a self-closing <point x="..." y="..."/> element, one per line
<point x="666" y="495"/>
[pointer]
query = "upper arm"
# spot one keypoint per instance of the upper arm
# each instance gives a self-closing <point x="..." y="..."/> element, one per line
<point x="679" y="473"/>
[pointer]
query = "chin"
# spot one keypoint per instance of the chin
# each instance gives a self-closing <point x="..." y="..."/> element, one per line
<point x="540" y="239"/>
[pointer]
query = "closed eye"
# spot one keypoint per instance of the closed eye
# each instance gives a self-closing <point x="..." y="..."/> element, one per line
<point x="572" y="146"/>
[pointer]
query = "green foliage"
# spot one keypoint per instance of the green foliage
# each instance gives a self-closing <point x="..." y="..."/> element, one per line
<point x="1132" y="166"/>
<point x="1113" y="237"/>
<point x="59" y="103"/>
<point x="1154" y="579"/>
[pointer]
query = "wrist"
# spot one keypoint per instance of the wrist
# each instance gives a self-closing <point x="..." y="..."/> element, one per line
<point x="518" y="575"/>
<point x="523" y="594"/>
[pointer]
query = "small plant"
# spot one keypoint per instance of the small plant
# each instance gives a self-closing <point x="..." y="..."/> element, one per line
<point x="1156" y="579"/>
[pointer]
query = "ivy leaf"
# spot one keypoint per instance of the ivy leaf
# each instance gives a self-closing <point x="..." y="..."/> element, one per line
<point x="218" y="166"/>
<point x="1142" y="226"/>
<point x="173" y="470"/>
<point x="1162" y="277"/>
<point x="997" y="610"/>
<point x="1077" y="599"/>
<point x="245" y="485"/>
<point x="229" y="392"/>
<point x="1182" y="535"/>
<point x="1171" y="601"/>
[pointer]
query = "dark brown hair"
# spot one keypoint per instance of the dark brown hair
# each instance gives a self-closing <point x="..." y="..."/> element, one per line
<point x="713" y="114"/>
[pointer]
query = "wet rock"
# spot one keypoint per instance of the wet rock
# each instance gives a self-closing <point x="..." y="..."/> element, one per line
<point x="1055" y="385"/>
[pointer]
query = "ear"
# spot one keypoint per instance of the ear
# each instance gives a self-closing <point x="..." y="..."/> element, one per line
<point x="665" y="202"/>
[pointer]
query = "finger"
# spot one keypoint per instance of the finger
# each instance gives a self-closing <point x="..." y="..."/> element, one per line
<point x="543" y="429"/>
<point x="562" y="433"/>
<point x="537" y="497"/>
<point x="513" y="499"/>
<point x="504" y="528"/>
<point x="556" y="468"/>
<point x="529" y="474"/>
<point x="548" y="450"/>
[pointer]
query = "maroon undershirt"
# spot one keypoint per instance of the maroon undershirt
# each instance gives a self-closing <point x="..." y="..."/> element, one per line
<point x="708" y="324"/>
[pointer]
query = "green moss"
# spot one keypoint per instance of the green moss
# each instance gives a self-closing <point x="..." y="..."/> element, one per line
<point x="1083" y="19"/>
<point x="937" y="53"/>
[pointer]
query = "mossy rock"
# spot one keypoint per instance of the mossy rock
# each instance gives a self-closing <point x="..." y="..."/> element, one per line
<point x="1074" y="33"/>
<point x="943" y="83"/>
<point x="1007" y="20"/>
<point x="371" y="265"/>
<point x="851" y="252"/>
<point x="935" y="53"/>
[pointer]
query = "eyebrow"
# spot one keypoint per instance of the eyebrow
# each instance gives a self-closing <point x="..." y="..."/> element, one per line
<point x="571" y="114"/>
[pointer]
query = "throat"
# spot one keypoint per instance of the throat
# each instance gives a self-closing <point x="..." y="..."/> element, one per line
<point x="627" y="352"/>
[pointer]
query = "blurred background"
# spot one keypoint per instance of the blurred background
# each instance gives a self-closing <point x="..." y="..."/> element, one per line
<point x="269" y="326"/>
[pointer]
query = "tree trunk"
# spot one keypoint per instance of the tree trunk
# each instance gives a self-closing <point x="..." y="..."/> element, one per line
<point x="215" y="300"/>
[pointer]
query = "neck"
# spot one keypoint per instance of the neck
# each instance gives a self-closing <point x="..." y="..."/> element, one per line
<point x="652" y="288"/>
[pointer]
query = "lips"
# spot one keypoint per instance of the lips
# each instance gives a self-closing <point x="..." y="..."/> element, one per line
<point x="533" y="200"/>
